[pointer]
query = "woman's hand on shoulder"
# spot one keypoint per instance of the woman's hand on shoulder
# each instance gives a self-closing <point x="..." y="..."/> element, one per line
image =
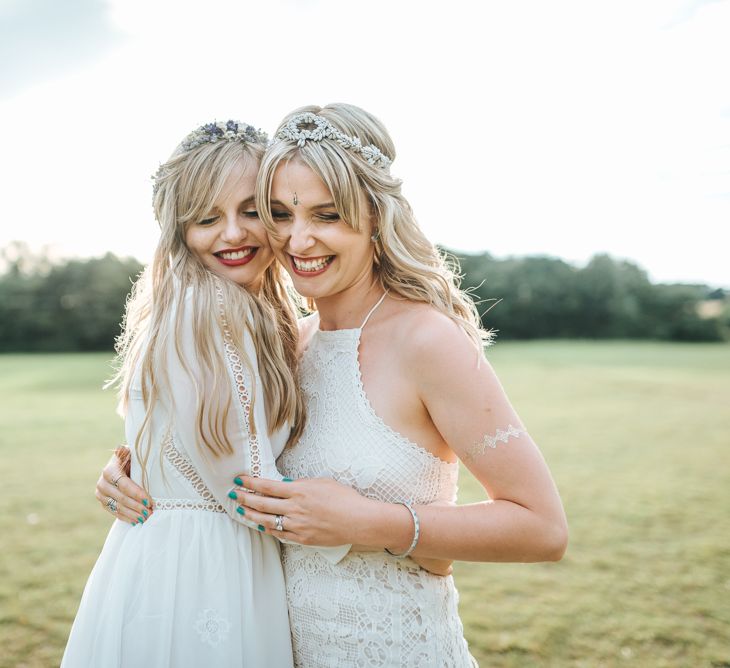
<point x="133" y="504"/>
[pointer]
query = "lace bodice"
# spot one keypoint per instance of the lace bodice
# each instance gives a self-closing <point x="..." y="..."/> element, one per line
<point x="346" y="440"/>
<point x="371" y="609"/>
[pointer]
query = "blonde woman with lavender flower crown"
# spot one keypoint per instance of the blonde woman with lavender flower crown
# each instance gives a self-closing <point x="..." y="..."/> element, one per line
<point x="208" y="389"/>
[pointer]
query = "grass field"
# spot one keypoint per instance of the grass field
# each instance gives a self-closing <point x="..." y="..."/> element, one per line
<point x="637" y="436"/>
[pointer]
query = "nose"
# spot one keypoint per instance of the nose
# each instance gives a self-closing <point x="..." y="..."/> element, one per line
<point x="234" y="232"/>
<point x="300" y="236"/>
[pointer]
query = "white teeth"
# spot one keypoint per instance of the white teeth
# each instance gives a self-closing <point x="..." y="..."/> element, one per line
<point x="237" y="255"/>
<point x="311" y="265"/>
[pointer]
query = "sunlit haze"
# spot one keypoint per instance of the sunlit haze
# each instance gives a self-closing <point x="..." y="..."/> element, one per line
<point x="564" y="128"/>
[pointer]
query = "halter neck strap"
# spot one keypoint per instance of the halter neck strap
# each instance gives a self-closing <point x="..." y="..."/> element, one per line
<point x="372" y="310"/>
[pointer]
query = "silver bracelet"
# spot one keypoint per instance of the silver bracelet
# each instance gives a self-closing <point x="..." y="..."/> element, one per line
<point x="416" y="533"/>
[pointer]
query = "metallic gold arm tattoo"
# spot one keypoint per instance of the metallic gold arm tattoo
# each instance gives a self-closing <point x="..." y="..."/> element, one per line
<point x="502" y="436"/>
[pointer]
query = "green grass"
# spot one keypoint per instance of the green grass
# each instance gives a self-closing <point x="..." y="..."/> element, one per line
<point x="636" y="434"/>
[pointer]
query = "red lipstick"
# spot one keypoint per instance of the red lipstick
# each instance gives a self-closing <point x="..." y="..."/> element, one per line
<point x="249" y="253"/>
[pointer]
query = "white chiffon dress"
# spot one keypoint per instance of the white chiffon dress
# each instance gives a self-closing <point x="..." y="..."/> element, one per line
<point x="370" y="609"/>
<point x="194" y="586"/>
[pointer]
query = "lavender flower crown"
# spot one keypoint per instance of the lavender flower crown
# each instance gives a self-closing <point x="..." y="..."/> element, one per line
<point x="212" y="133"/>
<point x="299" y="129"/>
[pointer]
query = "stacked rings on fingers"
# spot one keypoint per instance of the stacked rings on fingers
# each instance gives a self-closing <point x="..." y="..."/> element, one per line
<point x="279" y="521"/>
<point x="112" y="505"/>
<point x="116" y="480"/>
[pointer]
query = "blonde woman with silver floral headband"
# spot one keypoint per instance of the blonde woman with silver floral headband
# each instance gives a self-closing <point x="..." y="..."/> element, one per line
<point x="397" y="391"/>
<point x="207" y="385"/>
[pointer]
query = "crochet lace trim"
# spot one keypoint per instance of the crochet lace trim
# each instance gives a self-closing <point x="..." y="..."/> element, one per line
<point x="188" y="504"/>
<point x="188" y="471"/>
<point x="237" y="368"/>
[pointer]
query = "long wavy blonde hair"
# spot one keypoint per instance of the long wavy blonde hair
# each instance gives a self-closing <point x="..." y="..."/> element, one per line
<point x="406" y="262"/>
<point x="186" y="188"/>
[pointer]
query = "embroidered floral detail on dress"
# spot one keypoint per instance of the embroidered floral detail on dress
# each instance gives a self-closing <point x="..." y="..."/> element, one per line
<point x="187" y="470"/>
<point x="502" y="436"/>
<point x="212" y="628"/>
<point x="234" y="362"/>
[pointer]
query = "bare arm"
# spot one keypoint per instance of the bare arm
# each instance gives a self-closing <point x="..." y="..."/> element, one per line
<point x="523" y="520"/>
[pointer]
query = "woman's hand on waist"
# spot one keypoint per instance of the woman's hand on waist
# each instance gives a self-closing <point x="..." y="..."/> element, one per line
<point x="311" y="511"/>
<point x="119" y="494"/>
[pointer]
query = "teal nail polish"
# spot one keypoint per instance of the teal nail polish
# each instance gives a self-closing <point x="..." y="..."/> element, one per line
<point x="134" y="524"/>
<point x="144" y="512"/>
<point x="287" y="480"/>
<point x="240" y="511"/>
<point x="238" y="482"/>
<point x="232" y="495"/>
<point x="141" y="520"/>
<point x="262" y="527"/>
<point x="145" y="502"/>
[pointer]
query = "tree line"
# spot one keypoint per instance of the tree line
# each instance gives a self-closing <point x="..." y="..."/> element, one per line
<point x="76" y="304"/>
<point x="545" y="297"/>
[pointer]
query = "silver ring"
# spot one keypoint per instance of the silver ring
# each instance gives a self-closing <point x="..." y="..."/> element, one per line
<point x="116" y="480"/>
<point x="279" y="521"/>
<point x="112" y="505"/>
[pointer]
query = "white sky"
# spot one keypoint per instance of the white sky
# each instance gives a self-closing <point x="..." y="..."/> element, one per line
<point x="561" y="127"/>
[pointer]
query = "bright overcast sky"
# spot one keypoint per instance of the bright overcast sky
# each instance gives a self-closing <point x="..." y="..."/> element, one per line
<point x="551" y="127"/>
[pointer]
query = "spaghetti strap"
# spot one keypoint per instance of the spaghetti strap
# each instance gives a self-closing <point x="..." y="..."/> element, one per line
<point x="372" y="310"/>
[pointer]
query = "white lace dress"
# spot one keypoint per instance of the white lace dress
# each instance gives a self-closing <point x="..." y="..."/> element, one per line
<point x="193" y="586"/>
<point x="370" y="609"/>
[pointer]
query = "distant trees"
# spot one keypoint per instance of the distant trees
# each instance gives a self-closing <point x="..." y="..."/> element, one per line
<point x="73" y="305"/>
<point x="77" y="304"/>
<point x="544" y="297"/>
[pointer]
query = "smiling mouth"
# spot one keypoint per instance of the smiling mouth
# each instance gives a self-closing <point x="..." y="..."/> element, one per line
<point x="311" y="266"/>
<point x="236" y="256"/>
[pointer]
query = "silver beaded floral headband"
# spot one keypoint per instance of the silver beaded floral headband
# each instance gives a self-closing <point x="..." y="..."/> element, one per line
<point x="212" y="133"/>
<point x="323" y="129"/>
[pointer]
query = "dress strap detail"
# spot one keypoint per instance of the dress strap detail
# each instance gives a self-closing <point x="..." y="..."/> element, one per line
<point x="372" y="310"/>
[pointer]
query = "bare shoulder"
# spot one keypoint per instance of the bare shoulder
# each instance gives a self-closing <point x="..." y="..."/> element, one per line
<point x="428" y="338"/>
<point x="428" y="330"/>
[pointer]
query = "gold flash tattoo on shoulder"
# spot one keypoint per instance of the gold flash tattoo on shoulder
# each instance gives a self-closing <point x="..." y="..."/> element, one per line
<point x="489" y="441"/>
